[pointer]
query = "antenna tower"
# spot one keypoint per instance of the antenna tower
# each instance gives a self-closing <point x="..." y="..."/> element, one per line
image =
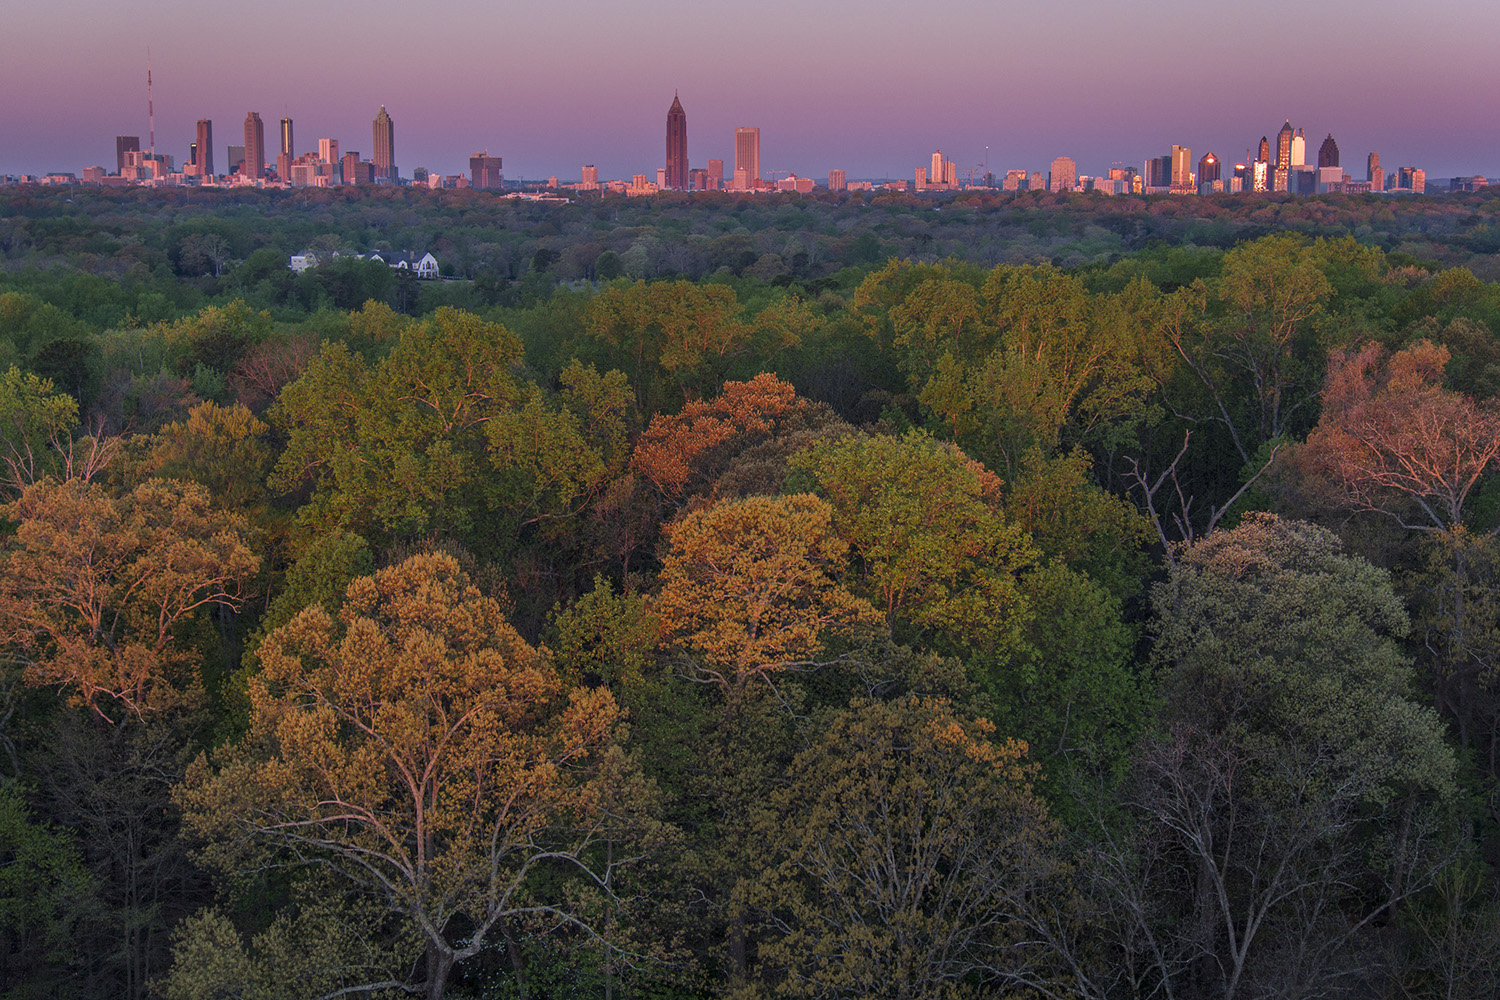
<point x="150" y="107"/>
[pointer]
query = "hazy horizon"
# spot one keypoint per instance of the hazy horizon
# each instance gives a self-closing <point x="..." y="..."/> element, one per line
<point x="869" y="88"/>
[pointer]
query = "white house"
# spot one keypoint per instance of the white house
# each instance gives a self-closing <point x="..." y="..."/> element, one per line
<point x="425" y="265"/>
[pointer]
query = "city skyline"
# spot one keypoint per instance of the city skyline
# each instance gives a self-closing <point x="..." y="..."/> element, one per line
<point x="1290" y="171"/>
<point x="840" y="86"/>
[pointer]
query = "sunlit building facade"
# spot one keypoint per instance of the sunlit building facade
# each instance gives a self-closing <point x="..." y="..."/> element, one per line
<point x="677" y="156"/>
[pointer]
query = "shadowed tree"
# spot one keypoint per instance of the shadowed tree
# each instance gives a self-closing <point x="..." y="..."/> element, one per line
<point x="1394" y="441"/>
<point x="900" y="857"/>
<point x="1294" y="796"/>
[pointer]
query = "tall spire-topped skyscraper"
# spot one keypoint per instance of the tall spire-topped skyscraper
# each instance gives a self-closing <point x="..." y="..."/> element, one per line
<point x="385" y="145"/>
<point x="677" y="158"/>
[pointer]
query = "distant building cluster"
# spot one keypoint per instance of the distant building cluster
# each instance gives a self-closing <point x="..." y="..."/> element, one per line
<point x="249" y="164"/>
<point x="1280" y="167"/>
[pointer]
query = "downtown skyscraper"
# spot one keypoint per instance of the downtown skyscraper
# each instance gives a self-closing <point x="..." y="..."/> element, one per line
<point x="1281" y="180"/>
<point x="287" y="154"/>
<point x="385" y="145"/>
<point x="205" y="147"/>
<point x="677" y="157"/>
<point x="485" y="173"/>
<point x="746" y="157"/>
<point x="255" y="146"/>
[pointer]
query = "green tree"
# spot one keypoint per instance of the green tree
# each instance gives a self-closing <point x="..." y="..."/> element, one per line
<point x="687" y="332"/>
<point x="45" y="894"/>
<point x="36" y="427"/>
<point x="1072" y="691"/>
<point x="441" y="436"/>
<point x="223" y="448"/>
<point x="900" y="857"/>
<point x="1069" y="517"/>
<point x="1247" y="340"/>
<point x="607" y="638"/>
<point x="1294" y="794"/>
<point x="932" y="549"/>
<point x="319" y="946"/>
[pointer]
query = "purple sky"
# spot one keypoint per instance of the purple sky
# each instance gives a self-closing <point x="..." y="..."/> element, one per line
<point x="871" y="87"/>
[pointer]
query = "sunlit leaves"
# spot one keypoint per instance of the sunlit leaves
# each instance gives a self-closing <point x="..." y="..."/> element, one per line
<point x="750" y="589"/>
<point x="420" y="749"/>
<point x="94" y="588"/>
<point x="932" y="549"/>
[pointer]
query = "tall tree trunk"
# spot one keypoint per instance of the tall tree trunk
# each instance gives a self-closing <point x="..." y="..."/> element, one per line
<point x="439" y="965"/>
<point x="517" y="960"/>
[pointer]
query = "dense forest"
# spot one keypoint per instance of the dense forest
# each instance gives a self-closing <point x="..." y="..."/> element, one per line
<point x="983" y="596"/>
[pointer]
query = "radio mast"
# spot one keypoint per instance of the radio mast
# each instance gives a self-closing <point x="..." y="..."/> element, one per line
<point x="150" y="106"/>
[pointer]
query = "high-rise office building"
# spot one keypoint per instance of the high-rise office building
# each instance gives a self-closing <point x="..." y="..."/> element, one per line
<point x="1299" y="149"/>
<point x="484" y="172"/>
<point x="1156" y="173"/>
<point x="286" y="156"/>
<point x="590" y="177"/>
<point x="1328" y="153"/>
<point x="205" y="157"/>
<point x="747" y="156"/>
<point x="1412" y="179"/>
<point x="1064" y="174"/>
<point x="125" y="144"/>
<point x="255" y="146"/>
<point x="1259" y="177"/>
<point x="1374" y="173"/>
<point x="1182" y="169"/>
<point x="1281" y="180"/>
<point x="677" y="155"/>
<point x="236" y="164"/>
<point x="715" y="174"/>
<point x="385" y="145"/>
<point x="1209" y="170"/>
<point x="837" y="180"/>
<point x="357" y="171"/>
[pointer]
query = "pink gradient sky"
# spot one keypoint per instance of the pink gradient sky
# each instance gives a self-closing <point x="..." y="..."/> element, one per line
<point x="871" y="87"/>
